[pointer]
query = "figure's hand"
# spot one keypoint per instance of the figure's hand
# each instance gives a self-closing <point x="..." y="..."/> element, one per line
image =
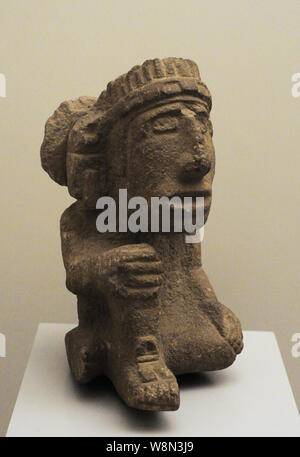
<point x="138" y="271"/>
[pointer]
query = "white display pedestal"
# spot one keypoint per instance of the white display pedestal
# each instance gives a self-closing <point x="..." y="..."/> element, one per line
<point x="251" y="398"/>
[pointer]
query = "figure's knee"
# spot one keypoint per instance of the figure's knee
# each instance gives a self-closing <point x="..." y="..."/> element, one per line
<point x="204" y="350"/>
<point x="231" y="329"/>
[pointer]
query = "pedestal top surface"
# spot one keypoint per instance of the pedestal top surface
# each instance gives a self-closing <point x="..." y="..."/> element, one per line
<point x="251" y="398"/>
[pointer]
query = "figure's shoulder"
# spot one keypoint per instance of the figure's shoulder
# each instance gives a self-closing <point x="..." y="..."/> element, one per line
<point x="76" y="217"/>
<point x="79" y="222"/>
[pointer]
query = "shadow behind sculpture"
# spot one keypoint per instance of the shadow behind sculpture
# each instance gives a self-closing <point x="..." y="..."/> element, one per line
<point x="147" y="311"/>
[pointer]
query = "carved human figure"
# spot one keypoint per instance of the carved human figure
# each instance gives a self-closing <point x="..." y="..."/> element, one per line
<point x="147" y="311"/>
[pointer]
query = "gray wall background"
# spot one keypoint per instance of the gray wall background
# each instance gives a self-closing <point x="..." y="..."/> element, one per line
<point x="247" y="51"/>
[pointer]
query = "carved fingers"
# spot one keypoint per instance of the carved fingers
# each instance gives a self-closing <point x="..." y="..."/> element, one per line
<point x="139" y="271"/>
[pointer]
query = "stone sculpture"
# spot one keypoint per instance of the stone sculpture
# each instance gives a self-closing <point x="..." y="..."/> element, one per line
<point x="147" y="311"/>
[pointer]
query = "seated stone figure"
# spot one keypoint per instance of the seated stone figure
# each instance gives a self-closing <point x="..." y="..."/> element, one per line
<point x="147" y="311"/>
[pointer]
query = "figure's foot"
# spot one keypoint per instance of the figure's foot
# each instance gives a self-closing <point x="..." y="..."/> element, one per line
<point x="148" y="384"/>
<point x="86" y="354"/>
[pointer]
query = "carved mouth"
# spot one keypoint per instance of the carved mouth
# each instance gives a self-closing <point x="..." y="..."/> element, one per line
<point x="194" y="204"/>
<point x="194" y="194"/>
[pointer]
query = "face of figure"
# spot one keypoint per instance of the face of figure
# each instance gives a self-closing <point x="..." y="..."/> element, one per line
<point x="169" y="151"/>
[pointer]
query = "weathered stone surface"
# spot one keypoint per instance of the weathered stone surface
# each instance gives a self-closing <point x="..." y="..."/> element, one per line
<point x="58" y="126"/>
<point x="147" y="311"/>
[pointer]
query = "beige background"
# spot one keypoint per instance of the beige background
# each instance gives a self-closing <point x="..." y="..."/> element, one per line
<point x="247" y="52"/>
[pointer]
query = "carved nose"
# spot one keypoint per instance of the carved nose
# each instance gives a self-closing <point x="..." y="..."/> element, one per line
<point x="197" y="166"/>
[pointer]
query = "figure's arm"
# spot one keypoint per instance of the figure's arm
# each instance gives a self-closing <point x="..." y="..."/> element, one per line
<point x="96" y="263"/>
<point x="84" y="253"/>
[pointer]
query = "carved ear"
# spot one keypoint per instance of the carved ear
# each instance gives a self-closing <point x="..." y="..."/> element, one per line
<point x="57" y="129"/>
<point x="86" y="161"/>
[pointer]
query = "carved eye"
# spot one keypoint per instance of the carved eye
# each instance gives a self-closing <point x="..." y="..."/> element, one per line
<point x="210" y="127"/>
<point x="165" y="124"/>
<point x="205" y="122"/>
<point x="206" y="125"/>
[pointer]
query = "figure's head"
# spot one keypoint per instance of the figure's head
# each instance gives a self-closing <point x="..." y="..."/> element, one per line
<point x="148" y="132"/>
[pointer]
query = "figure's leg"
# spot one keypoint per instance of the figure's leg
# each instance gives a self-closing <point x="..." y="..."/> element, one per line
<point x="136" y="363"/>
<point x="199" y="333"/>
<point x="222" y="317"/>
<point x="196" y="344"/>
<point x="85" y="347"/>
